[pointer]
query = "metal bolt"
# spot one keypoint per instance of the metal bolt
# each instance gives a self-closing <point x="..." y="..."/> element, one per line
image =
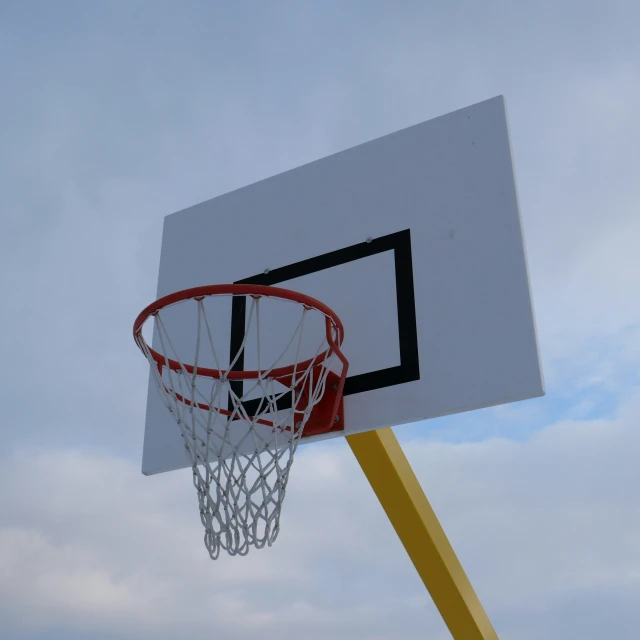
<point x="336" y="419"/>
<point x="369" y="240"/>
<point x="266" y="271"/>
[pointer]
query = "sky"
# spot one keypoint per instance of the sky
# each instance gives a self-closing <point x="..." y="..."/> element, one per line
<point x="115" y="114"/>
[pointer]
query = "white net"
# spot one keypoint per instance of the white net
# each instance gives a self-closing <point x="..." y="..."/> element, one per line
<point x="241" y="436"/>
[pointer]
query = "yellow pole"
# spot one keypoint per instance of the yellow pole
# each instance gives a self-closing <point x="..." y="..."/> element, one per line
<point x="401" y="496"/>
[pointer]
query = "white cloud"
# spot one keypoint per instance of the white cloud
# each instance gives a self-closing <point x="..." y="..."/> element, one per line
<point x="85" y="540"/>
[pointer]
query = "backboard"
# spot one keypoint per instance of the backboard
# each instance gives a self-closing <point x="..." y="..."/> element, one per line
<point x="413" y="239"/>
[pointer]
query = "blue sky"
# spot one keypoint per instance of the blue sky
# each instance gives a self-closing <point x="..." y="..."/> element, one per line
<point x="115" y="114"/>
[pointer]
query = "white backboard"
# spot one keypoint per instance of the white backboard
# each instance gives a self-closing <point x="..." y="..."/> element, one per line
<point x="414" y="239"/>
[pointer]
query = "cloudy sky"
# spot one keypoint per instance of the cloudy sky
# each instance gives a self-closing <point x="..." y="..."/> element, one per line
<point x="114" y="114"/>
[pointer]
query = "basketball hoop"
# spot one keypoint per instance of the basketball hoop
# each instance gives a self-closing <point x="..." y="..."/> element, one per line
<point x="240" y="428"/>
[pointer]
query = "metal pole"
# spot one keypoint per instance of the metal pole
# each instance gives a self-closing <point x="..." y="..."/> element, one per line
<point x="401" y="496"/>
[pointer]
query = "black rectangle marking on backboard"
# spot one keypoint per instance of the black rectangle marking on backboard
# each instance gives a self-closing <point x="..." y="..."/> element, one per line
<point x="409" y="368"/>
